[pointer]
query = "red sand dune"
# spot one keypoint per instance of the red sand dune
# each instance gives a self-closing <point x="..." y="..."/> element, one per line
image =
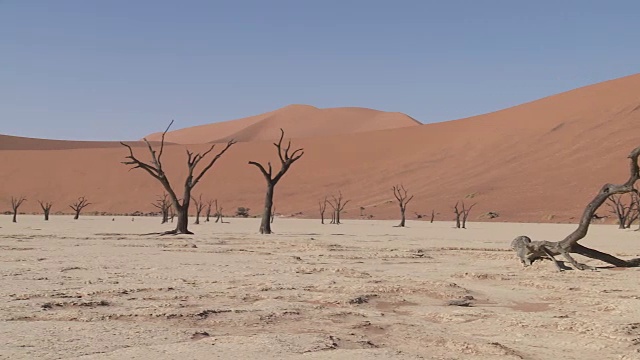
<point x="538" y="162"/>
<point x="23" y="143"/>
<point x="299" y="121"/>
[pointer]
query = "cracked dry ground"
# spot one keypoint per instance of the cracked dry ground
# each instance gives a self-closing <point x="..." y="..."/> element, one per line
<point x="94" y="289"/>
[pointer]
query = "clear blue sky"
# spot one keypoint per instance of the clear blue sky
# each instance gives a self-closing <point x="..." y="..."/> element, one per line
<point x="116" y="69"/>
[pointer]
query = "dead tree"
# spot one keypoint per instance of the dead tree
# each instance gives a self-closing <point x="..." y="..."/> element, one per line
<point x="157" y="172"/>
<point x="199" y="204"/>
<point x="208" y="213"/>
<point x="322" y="205"/>
<point x="433" y="216"/>
<point x="172" y="213"/>
<point x="461" y="214"/>
<point x="163" y="204"/>
<point x="458" y="215"/>
<point x="286" y="160"/>
<point x="621" y="209"/>
<point x="465" y="214"/>
<point x="529" y="251"/>
<point x="400" y="194"/>
<point x="218" y="213"/>
<point x="15" y="204"/>
<point x="634" y="214"/>
<point x="626" y="212"/>
<point x="78" y="205"/>
<point x="338" y="206"/>
<point x="46" y="208"/>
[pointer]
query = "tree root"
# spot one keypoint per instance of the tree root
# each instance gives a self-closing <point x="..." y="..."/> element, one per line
<point x="176" y="232"/>
<point x="529" y="251"/>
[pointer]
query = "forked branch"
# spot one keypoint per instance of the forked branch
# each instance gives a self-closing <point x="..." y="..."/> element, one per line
<point x="529" y="251"/>
<point x="78" y="205"/>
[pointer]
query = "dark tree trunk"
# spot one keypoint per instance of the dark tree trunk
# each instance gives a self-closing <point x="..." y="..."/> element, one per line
<point x="208" y="213"/>
<point x="77" y="215"/>
<point x="402" y="219"/>
<point x="433" y="215"/>
<point x="165" y="216"/>
<point x="536" y="249"/>
<point x="155" y="170"/>
<point x="401" y="194"/>
<point x="286" y="160"/>
<point x="15" y="216"/>
<point x="182" y="226"/>
<point x="322" y="218"/>
<point x="46" y="209"/>
<point x="265" y="224"/>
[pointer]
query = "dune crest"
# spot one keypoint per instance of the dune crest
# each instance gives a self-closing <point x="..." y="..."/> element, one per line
<point x="300" y="121"/>
<point x="537" y="162"/>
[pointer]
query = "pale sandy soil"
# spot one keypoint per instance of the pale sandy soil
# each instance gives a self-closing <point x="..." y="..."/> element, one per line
<point x="96" y="289"/>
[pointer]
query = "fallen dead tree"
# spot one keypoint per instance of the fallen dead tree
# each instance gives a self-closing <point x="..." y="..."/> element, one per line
<point x="528" y="251"/>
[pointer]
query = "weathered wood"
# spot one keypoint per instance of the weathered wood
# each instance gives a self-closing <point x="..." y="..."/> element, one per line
<point x="78" y="205"/>
<point x="533" y="249"/>
<point x="199" y="205"/>
<point x="46" y="208"/>
<point x="155" y="170"/>
<point x="322" y="205"/>
<point x="163" y="204"/>
<point x="400" y="193"/>
<point x="286" y="160"/>
<point x="338" y="206"/>
<point x="15" y="205"/>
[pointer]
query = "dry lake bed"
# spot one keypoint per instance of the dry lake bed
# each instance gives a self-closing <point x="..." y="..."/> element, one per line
<point x="95" y="288"/>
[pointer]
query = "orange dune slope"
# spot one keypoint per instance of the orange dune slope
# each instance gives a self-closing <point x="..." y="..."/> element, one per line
<point x="23" y="143"/>
<point x="537" y="162"/>
<point x="299" y="121"/>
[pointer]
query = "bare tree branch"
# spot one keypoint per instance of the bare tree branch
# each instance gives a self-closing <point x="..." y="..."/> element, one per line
<point x="15" y="204"/>
<point x="181" y="206"/>
<point x="529" y="251"/>
<point x="286" y="161"/>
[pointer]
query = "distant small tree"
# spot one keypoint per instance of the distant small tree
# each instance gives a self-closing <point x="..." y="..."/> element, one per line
<point x="338" y="204"/>
<point x="635" y="213"/>
<point x="218" y="213"/>
<point x="433" y="216"/>
<point x="273" y="213"/>
<point x="78" y="205"/>
<point x="626" y="211"/>
<point x="15" y="204"/>
<point x="46" y="208"/>
<point x="286" y="160"/>
<point x="322" y="205"/>
<point x="208" y="212"/>
<point x="163" y="204"/>
<point x="199" y="205"/>
<point x="403" y="198"/>
<point x="172" y="213"/>
<point x="462" y="214"/>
